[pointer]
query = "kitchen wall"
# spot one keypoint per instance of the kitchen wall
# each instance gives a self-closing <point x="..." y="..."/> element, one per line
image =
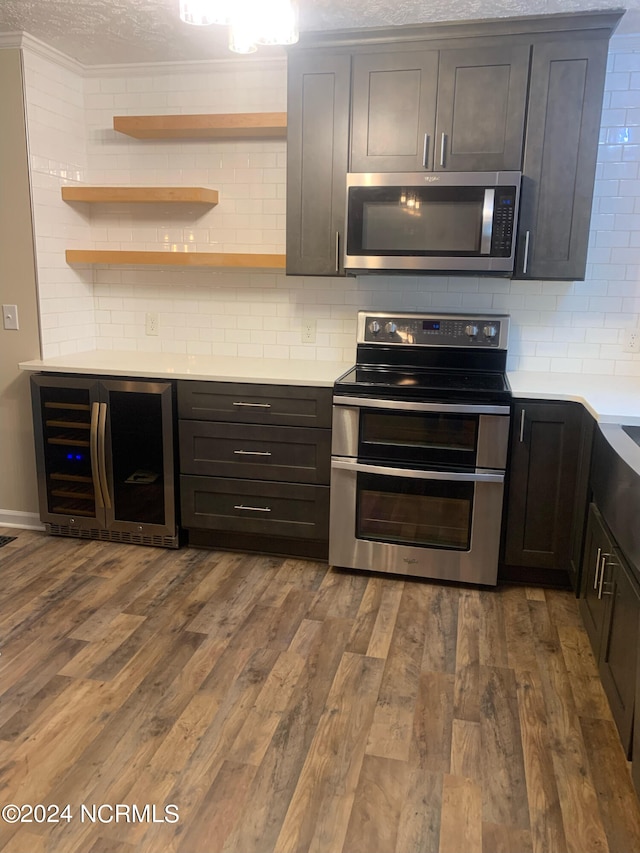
<point x="18" y="499"/>
<point x="54" y="94"/>
<point x="557" y="326"/>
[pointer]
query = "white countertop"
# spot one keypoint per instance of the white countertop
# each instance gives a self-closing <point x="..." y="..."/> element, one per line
<point x="155" y="365"/>
<point x="610" y="399"/>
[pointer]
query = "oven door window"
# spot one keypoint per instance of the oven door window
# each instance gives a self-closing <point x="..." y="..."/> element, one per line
<point x="412" y="511"/>
<point x="423" y="438"/>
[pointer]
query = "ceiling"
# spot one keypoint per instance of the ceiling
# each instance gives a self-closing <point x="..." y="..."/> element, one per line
<point x="97" y="32"/>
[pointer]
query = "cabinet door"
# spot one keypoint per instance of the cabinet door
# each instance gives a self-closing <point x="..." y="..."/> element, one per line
<point x="545" y="442"/>
<point x="598" y="549"/>
<point x="565" y="103"/>
<point x="317" y="155"/>
<point x="620" y="643"/>
<point x="65" y="414"/>
<point x="393" y="111"/>
<point x="482" y="96"/>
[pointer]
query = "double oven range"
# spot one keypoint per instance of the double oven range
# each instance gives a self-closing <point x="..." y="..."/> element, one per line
<point x="419" y="447"/>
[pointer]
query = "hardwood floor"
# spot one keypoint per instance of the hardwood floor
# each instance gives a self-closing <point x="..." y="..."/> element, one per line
<point x="282" y="706"/>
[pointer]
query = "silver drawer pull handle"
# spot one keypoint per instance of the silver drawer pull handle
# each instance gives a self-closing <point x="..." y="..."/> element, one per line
<point x="252" y="452"/>
<point x="253" y="508"/>
<point x="595" y="577"/>
<point x="255" y="405"/>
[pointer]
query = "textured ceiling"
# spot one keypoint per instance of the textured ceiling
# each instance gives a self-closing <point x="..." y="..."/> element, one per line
<point x="99" y="32"/>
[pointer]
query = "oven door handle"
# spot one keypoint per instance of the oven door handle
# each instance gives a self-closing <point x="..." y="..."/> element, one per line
<point x="479" y="476"/>
<point x="404" y="406"/>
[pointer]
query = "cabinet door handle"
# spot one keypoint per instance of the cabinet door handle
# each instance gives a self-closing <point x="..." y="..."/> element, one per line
<point x="102" y="453"/>
<point x="252" y="452"/>
<point x="595" y="575"/>
<point x="443" y="145"/>
<point x="93" y="449"/>
<point x="254" y="405"/>
<point x="337" y="251"/>
<point x="425" y="150"/>
<point x="525" y="262"/>
<point x="603" y="561"/>
<point x="253" y="508"/>
<point x="522" y="417"/>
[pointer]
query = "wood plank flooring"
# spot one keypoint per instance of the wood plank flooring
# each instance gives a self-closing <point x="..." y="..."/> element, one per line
<point x="284" y="707"/>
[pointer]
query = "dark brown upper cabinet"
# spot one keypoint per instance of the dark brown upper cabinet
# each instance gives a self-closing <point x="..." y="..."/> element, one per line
<point x="393" y="111"/>
<point x="459" y="110"/>
<point x="520" y="94"/>
<point x="565" y="105"/>
<point x="317" y="155"/>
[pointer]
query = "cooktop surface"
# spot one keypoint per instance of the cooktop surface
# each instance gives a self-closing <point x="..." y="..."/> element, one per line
<point x="427" y="385"/>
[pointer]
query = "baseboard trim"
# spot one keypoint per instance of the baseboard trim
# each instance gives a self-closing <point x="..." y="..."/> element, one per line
<point x="21" y="520"/>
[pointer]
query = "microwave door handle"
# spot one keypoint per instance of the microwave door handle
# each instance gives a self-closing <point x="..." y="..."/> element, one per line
<point x="487" y="221"/>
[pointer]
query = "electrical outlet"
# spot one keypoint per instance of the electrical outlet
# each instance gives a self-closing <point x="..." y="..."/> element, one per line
<point x="309" y="331"/>
<point x="631" y="340"/>
<point x="151" y="324"/>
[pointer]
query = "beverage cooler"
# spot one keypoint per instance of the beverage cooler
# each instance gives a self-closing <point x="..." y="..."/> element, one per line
<point x="105" y="458"/>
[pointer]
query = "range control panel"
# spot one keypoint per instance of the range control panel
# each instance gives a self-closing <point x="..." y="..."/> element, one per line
<point x="442" y="330"/>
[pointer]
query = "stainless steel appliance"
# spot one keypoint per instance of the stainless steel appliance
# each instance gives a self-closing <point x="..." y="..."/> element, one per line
<point x="419" y="447"/>
<point x="435" y="221"/>
<point x="105" y="458"/>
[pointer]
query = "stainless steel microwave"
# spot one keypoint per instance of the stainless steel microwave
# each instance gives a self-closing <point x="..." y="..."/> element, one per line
<point x="432" y="221"/>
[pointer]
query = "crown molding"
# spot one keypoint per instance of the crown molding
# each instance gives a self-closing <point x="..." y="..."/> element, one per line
<point x="144" y="69"/>
<point x="25" y="41"/>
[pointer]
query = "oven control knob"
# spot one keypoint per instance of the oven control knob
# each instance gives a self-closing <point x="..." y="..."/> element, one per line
<point x="391" y="328"/>
<point x="490" y="331"/>
<point x="471" y="330"/>
<point x="374" y="327"/>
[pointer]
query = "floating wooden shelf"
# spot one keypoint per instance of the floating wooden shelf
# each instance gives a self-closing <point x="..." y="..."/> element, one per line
<point x="221" y="125"/>
<point x="197" y="195"/>
<point x="176" y="259"/>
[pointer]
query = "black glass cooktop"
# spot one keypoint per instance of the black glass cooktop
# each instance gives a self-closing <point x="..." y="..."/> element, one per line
<point x="426" y="385"/>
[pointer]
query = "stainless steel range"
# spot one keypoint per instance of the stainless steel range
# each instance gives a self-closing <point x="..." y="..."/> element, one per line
<point x="419" y="447"/>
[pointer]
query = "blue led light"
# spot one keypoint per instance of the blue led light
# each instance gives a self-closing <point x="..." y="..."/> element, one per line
<point x="69" y="455"/>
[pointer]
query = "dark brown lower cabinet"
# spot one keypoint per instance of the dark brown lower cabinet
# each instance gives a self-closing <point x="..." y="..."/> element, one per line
<point x="610" y="609"/>
<point x="546" y="492"/>
<point x="255" y="464"/>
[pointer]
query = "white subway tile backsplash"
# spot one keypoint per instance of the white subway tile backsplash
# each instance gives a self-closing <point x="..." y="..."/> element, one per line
<point x="556" y="326"/>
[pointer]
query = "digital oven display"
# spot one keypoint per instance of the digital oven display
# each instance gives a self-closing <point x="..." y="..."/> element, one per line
<point x="431" y="325"/>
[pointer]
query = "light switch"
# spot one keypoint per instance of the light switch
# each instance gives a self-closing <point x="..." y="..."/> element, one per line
<point x="10" y="317"/>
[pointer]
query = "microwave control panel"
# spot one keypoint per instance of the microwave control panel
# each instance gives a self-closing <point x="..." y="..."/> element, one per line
<point x="503" y="218"/>
<point x="434" y="331"/>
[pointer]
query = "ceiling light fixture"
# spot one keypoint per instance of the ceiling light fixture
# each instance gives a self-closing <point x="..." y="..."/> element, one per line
<point x="202" y="13"/>
<point x="251" y="22"/>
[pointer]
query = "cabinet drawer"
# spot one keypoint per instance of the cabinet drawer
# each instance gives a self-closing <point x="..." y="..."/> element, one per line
<point x="276" y="509"/>
<point x="285" y="405"/>
<point x="290" y="454"/>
